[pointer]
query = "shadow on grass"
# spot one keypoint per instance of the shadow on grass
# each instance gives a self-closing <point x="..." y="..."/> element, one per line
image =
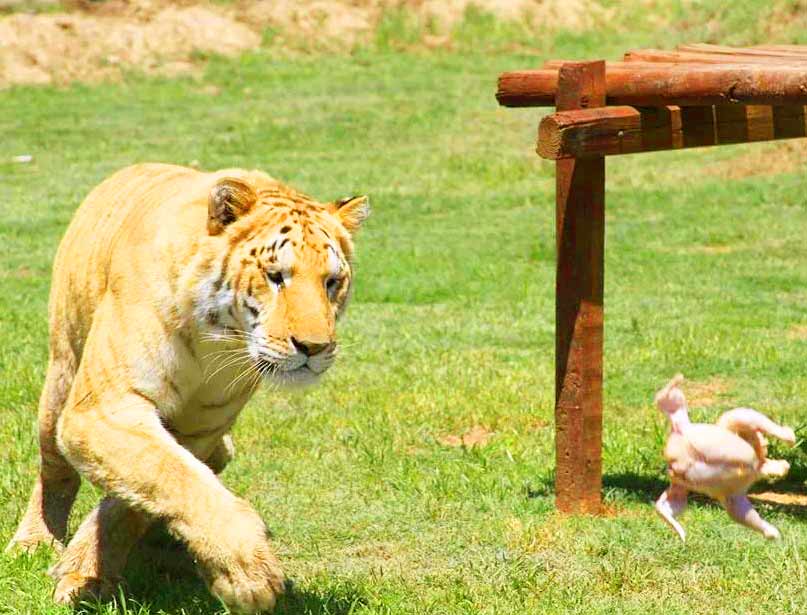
<point x="647" y="488"/>
<point x="330" y="600"/>
<point x="161" y="578"/>
<point x="636" y="487"/>
<point x="157" y="580"/>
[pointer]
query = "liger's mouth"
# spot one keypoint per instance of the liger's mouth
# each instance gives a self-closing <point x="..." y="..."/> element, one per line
<point x="270" y="368"/>
<point x="301" y="375"/>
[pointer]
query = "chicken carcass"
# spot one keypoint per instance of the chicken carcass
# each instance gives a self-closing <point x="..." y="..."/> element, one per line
<point x="721" y="460"/>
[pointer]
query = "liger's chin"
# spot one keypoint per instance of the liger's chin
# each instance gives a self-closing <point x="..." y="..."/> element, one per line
<point x="293" y="379"/>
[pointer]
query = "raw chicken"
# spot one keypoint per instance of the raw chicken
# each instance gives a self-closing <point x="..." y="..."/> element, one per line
<point x="721" y="460"/>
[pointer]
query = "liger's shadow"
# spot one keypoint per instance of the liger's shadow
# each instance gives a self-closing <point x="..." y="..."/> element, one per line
<point x="161" y="577"/>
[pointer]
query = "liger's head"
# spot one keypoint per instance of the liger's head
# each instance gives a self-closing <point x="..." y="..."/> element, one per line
<point x="286" y="274"/>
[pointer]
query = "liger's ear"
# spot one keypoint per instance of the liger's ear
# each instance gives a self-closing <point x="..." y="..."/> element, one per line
<point x="229" y="199"/>
<point x="352" y="211"/>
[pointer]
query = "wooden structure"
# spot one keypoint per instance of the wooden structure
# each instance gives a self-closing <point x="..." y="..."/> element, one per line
<point x="653" y="100"/>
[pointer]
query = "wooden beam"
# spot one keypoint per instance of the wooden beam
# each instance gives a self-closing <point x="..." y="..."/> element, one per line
<point x="636" y="56"/>
<point x="610" y="131"/>
<point x="611" y="66"/>
<point x="789" y="122"/>
<point x="792" y="48"/>
<point x="580" y="223"/>
<point x="700" y="123"/>
<point x="777" y="51"/>
<point x="679" y="84"/>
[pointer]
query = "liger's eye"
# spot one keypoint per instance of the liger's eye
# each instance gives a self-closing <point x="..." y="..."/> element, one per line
<point x="330" y="284"/>
<point x="275" y="277"/>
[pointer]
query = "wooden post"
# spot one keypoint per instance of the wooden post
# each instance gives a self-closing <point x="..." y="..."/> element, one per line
<point x="580" y="202"/>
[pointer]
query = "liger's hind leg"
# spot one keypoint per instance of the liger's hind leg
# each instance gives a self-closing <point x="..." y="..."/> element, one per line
<point x="45" y="520"/>
<point x="671" y="504"/>
<point x="92" y="564"/>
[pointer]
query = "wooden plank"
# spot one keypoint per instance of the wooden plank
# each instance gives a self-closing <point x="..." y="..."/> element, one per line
<point x="792" y="48"/>
<point x="610" y="66"/>
<point x="580" y="222"/>
<point x="763" y="51"/>
<point x="678" y="84"/>
<point x="645" y="56"/>
<point x="698" y="126"/>
<point x="789" y="122"/>
<point x="582" y="133"/>
<point x="730" y="124"/>
<point x="612" y="131"/>
<point x="759" y="123"/>
<point x="661" y="127"/>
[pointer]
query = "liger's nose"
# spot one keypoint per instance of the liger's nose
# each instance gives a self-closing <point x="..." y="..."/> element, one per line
<point x="309" y="349"/>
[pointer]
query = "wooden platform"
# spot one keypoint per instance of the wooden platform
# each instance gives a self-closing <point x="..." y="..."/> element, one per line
<point x="696" y="95"/>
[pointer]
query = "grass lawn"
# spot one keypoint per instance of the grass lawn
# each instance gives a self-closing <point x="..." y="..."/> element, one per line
<point x="451" y="327"/>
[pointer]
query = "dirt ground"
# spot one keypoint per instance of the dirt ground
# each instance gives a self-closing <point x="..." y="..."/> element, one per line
<point x="49" y="42"/>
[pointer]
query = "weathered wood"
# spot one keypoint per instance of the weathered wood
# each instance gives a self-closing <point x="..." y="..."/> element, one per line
<point x="789" y="122"/>
<point x="700" y="123"/>
<point x="610" y="131"/>
<point x="795" y="48"/>
<point x="681" y="84"/>
<point x="579" y="306"/>
<point x="586" y="132"/>
<point x="743" y="123"/>
<point x="527" y="88"/>
<point x="779" y="51"/>
<point x="646" y="56"/>
<point x="610" y="65"/>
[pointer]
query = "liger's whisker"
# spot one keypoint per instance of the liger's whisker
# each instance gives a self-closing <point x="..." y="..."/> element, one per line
<point x="250" y="368"/>
<point x="229" y="362"/>
<point x="229" y="351"/>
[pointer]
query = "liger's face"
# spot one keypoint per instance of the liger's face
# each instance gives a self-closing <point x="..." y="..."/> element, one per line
<point x="286" y="280"/>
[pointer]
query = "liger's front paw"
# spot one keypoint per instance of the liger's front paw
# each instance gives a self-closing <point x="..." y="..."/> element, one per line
<point x="248" y="585"/>
<point x="237" y="561"/>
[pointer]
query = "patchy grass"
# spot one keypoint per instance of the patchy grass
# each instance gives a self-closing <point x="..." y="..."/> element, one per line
<point x="451" y="327"/>
<point x="763" y="159"/>
<point x="478" y="435"/>
<point x="798" y="332"/>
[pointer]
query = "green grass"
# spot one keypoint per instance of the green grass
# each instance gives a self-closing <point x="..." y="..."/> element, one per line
<point x="451" y="326"/>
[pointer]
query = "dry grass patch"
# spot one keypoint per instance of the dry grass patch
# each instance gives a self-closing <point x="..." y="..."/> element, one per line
<point x="707" y="393"/>
<point x="798" y="332"/>
<point x="64" y="47"/>
<point x="787" y="499"/>
<point x="520" y="423"/>
<point x="478" y="435"/>
<point x="22" y="272"/>
<point x="93" y="41"/>
<point x="372" y="550"/>
<point x="760" y="159"/>
<point x="534" y="537"/>
<point x="785" y="17"/>
<point x="714" y="249"/>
